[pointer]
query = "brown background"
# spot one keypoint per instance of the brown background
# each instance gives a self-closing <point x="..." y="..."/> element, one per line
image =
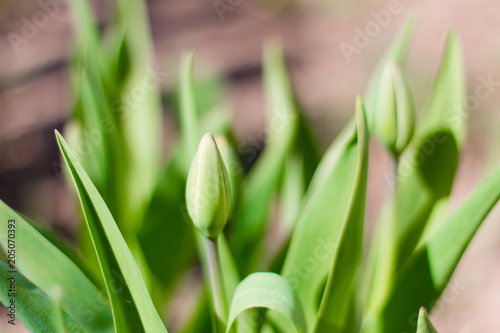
<point x="35" y="98"/>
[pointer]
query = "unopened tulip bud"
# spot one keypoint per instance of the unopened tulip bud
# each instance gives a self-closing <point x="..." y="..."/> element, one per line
<point x="208" y="190"/>
<point x="394" y="111"/>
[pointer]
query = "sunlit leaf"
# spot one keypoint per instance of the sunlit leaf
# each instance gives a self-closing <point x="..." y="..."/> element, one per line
<point x="31" y="306"/>
<point x="269" y="291"/>
<point x="133" y="310"/>
<point x="80" y="298"/>
<point x="424" y="276"/>
<point x="334" y="308"/>
<point x="319" y="224"/>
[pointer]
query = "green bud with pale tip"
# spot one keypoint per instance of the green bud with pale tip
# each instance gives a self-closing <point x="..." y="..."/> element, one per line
<point x="208" y="190"/>
<point x="394" y="111"/>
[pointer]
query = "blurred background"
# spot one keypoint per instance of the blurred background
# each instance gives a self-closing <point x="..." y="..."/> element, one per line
<point x="329" y="63"/>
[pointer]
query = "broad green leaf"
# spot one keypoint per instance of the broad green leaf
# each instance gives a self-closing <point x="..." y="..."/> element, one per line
<point x="316" y="232"/>
<point x="32" y="307"/>
<point x="424" y="276"/>
<point x="334" y="308"/>
<point x="81" y="299"/>
<point x="133" y="310"/>
<point x="424" y="324"/>
<point x="425" y="174"/>
<point x="261" y="183"/>
<point x="270" y="291"/>
<point x="395" y="53"/>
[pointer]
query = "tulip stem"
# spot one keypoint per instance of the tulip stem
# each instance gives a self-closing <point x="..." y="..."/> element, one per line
<point x="216" y="281"/>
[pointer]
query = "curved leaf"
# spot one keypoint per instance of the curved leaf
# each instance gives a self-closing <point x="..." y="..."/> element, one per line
<point x="133" y="309"/>
<point x="334" y="307"/>
<point x="80" y="298"/>
<point x="316" y="232"/>
<point x="37" y="311"/>
<point x="270" y="291"/>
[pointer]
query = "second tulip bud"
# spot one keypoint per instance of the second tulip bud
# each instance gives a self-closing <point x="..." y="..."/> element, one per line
<point x="394" y="111"/>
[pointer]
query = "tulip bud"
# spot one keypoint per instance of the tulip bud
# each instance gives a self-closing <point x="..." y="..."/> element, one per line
<point x="394" y="111"/>
<point x="208" y="191"/>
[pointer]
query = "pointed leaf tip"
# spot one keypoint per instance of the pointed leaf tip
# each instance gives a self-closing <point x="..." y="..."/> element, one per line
<point x="424" y="324"/>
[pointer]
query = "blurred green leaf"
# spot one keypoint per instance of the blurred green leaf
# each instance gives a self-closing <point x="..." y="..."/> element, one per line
<point x="270" y="291"/>
<point x="424" y="276"/>
<point x="335" y="303"/>
<point x="32" y="307"/>
<point x="81" y="299"/>
<point x="250" y="219"/>
<point x="133" y="310"/>
<point x="318" y="227"/>
<point x="424" y="324"/>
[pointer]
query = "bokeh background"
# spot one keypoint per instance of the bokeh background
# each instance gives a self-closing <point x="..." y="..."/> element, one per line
<point x="36" y="98"/>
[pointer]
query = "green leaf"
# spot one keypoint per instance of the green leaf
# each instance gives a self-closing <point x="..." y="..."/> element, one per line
<point x="81" y="299"/>
<point x="424" y="324"/>
<point x="445" y="108"/>
<point x="270" y="291"/>
<point x="32" y="307"/>
<point x="437" y="146"/>
<point x="334" y="308"/>
<point x="394" y="53"/>
<point x="426" y="273"/>
<point x="319" y="224"/>
<point x="250" y="219"/>
<point x="133" y="309"/>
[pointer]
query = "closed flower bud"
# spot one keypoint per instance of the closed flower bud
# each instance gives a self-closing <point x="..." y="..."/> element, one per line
<point x="208" y="191"/>
<point x="394" y="111"/>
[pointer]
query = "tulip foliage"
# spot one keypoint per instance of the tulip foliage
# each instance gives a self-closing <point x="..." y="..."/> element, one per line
<point x="276" y="246"/>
